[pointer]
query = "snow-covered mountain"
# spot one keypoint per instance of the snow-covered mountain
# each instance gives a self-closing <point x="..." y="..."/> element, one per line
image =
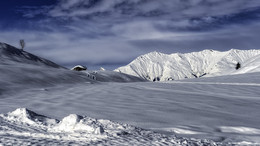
<point x="157" y="66"/>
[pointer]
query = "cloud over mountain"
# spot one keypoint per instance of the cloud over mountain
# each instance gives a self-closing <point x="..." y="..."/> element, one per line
<point x="124" y="29"/>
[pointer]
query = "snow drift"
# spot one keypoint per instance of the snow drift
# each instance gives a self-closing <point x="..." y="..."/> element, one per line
<point x="26" y="127"/>
<point x="157" y="66"/>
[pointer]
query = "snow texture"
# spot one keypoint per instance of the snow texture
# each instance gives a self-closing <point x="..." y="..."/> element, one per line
<point x="157" y="66"/>
<point x="25" y="127"/>
<point x="221" y="110"/>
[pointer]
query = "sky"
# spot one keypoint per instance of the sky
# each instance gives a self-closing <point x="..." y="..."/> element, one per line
<point x="111" y="33"/>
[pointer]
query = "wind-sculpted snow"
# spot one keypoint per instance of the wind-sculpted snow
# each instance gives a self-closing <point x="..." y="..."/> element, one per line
<point x="157" y="66"/>
<point x="24" y="127"/>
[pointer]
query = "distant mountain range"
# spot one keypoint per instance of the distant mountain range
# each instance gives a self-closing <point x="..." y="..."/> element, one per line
<point x="157" y="66"/>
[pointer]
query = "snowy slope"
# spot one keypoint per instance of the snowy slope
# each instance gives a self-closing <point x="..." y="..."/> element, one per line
<point x="250" y="66"/>
<point x="20" y="69"/>
<point x="11" y="55"/>
<point x="157" y="66"/>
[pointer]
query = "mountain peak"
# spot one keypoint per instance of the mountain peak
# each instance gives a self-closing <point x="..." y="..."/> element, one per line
<point x="154" y="53"/>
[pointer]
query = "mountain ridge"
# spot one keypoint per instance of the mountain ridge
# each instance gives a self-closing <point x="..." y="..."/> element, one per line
<point x="156" y="66"/>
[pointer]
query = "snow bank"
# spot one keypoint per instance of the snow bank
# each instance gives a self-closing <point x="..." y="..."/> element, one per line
<point x="29" y="117"/>
<point x="76" y="123"/>
<point x="157" y="66"/>
<point x="23" y="126"/>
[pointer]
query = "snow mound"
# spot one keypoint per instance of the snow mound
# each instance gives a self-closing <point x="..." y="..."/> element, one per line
<point x="26" y="116"/>
<point x="76" y="123"/>
<point x="79" y="68"/>
<point x="23" y="126"/>
<point x="157" y="66"/>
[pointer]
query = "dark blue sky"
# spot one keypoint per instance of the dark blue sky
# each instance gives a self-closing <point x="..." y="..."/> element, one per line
<point x="11" y="12"/>
<point x="10" y="9"/>
<point x="114" y="32"/>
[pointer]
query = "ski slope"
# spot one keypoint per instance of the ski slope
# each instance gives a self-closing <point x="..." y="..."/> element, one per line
<point x="157" y="66"/>
<point x="46" y="104"/>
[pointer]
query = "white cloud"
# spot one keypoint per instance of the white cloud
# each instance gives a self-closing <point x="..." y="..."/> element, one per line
<point x="66" y="48"/>
<point x="77" y="32"/>
<point x="173" y="8"/>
